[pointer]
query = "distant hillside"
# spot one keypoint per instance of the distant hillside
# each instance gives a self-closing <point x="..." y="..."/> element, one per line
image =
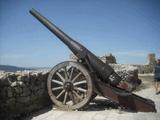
<point x="10" y="68"/>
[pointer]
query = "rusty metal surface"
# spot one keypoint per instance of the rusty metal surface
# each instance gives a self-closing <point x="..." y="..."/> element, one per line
<point x="126" y="99"/>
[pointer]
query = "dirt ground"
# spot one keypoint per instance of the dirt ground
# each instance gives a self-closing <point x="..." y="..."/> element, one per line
<point x="103" y="109"/>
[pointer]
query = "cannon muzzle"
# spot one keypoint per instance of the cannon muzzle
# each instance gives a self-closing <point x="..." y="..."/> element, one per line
<point x="102" y="70"/>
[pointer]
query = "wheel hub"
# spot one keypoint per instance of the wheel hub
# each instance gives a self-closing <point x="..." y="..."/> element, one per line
<point x="68" y="86"/>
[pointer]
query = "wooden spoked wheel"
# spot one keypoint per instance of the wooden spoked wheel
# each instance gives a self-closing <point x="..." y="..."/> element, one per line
<point x="69" y="85"/>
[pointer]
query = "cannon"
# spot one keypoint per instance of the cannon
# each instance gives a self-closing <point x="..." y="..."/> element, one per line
<point x="72" y="85"/>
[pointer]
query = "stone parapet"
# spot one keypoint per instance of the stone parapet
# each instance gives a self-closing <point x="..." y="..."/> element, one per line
<point x="22" y="92"/>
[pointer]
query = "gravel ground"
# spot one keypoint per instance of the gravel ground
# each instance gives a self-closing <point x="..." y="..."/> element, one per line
<point x="104" y="111"/>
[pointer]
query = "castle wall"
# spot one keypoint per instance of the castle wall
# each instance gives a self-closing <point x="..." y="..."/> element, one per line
<point x="22" y="93"/>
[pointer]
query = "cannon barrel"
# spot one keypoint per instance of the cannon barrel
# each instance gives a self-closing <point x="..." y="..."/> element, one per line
<point x="102" y="70"/>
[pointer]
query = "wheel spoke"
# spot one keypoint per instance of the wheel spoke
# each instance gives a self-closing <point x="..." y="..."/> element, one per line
<point x="70" y="77"/>
<point x="66" y="73"/>
<point x="77" y="95"/>
<point x="72" y="97"/>
<point x="60" y="76"/>
<point x="57" y="88"/>
<point x="65" y="97"/>
<point x="74" y="79"/>
<point x="58" y="82"/>
<point x="60" y="94"/>
<point x="80" y="89"/>
<point x="80" y="82"/>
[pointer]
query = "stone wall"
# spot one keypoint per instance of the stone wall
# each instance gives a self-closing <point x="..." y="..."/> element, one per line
<point x="129" y="75"/>
<point x="151" y="59"/>
<point x="109" y="58"/>
<point x="149" y="66"/>
<point x="142" y="68"/>
<point x="22" y="93"/>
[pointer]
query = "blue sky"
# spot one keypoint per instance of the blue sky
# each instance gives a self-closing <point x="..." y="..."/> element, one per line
<point x="129" y="29"/>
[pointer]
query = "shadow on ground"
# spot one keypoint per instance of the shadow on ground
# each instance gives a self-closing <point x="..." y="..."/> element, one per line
<point x="101" y="104"/>
<point x="105" y="104"/>
<point x="94" y="105"/>
<point x="98" y="104"/>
